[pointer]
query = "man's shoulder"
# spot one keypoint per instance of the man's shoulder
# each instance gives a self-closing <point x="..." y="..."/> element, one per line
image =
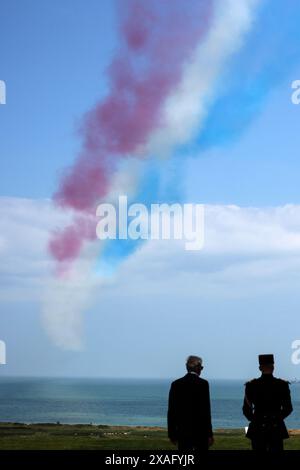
<point x="282" y="382"/>
<point x="203" y="381"/>
<point x="187" y="378"/>
<point x="176" y="381"/>
<point x="259" y="380"/>
<point x="179" y="381"/>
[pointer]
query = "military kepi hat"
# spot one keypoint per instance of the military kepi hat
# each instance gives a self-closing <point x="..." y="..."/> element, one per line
<point x="265" y="359"/>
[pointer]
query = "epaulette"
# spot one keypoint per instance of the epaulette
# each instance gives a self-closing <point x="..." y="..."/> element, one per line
<point x="284" y="381"/>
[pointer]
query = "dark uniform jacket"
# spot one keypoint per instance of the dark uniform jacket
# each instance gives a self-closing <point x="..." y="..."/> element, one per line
<point x="189" y="415"/>
<point x="267" y="403"/>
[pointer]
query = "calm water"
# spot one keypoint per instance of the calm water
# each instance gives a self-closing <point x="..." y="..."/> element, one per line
<point x="107" y="401"/>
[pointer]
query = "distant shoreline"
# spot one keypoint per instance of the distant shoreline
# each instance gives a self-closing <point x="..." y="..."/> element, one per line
<point x="120" y="427"/>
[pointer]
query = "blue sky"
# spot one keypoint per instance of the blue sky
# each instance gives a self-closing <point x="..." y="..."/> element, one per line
<point x="262" y="167"/>
<point x="53" y="58"/>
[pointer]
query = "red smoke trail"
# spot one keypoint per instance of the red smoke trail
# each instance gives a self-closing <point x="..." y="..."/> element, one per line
<point x="158" y="38"/>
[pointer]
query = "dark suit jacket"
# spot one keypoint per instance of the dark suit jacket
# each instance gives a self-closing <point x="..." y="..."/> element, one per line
<point x="267" y="403"/>
<point x="189" y="415"/>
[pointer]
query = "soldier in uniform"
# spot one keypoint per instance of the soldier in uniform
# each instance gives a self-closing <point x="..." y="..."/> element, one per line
<point x="267" y="403"/>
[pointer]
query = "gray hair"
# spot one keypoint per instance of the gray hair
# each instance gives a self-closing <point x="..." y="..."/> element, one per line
<point x="193" y="362"/>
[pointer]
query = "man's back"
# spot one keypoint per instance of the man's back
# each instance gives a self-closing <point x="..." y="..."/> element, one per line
<point x="267" y="403"/>
<point x="269" y="395"/>
<point x="189" y="415"/>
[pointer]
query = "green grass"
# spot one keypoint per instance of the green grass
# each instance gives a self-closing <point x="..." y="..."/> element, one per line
<point x="15" y="436"/>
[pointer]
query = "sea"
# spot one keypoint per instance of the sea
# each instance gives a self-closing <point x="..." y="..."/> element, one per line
<point x="135" y="402"/>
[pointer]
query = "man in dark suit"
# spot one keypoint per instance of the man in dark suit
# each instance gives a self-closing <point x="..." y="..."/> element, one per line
<point x="267" y="403"/>
<point x="189" y="416"/>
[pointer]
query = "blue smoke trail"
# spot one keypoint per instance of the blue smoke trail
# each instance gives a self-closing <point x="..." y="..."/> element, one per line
<point x="158" y="184"/>
<point x="270" y="54"/>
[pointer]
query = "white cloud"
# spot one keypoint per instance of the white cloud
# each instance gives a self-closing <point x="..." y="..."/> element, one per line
<point x="26" y="268"/>
<point x="253" y="230"/>
<point x="248" y="251"/>
<point x="24" y="228"/>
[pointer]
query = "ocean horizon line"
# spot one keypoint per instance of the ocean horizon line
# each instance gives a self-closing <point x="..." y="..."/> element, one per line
<point x="72" y="377"/>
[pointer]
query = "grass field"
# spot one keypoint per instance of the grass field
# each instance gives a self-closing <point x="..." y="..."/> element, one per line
<point x="15" y="436"/>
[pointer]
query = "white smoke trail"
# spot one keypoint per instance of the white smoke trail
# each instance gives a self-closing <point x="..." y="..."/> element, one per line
<point x="186" y="109"/>
<point x="184" y="112"/>
<point x="67" y="297"/>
